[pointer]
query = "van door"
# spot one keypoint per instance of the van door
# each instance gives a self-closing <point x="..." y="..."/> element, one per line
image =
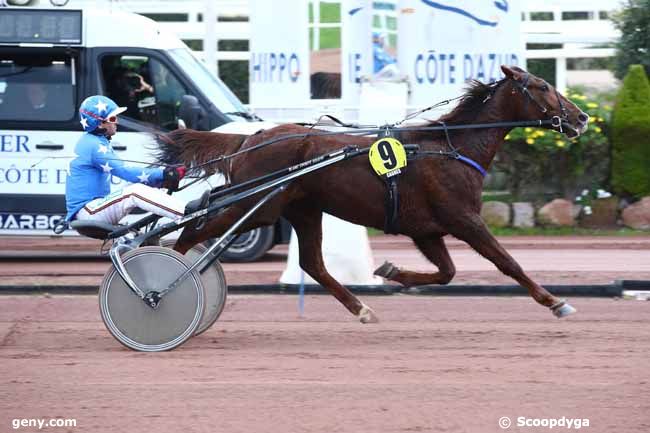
<point x="38" y="131"/>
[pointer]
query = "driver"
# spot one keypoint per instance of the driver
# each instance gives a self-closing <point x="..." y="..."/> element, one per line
<point x="88" y="195"/>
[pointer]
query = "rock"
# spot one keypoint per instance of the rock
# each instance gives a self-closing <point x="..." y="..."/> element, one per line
<point x="637" y="215"/>
<point x="558" y="212"/>
<point x="496" y="213"/>
<point x="604" y="213"/>
<point x="523" y="214"/>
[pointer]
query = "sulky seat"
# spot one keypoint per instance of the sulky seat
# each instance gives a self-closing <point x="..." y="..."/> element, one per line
<point x="94" y="229"/>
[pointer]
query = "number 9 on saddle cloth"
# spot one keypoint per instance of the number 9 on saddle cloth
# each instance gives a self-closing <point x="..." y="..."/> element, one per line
<point x="388" y="157"/>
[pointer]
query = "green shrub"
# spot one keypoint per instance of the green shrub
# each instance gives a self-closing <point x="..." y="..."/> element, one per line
<point x="541" y="164"/>
<point x="634" y="45"/>
<point x="631" y="136"/>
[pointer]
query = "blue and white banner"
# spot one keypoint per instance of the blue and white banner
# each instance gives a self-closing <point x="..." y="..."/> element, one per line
<point x="279" y="47"/>
<point x="356" y="47"/>
<point x="443" y="44"/>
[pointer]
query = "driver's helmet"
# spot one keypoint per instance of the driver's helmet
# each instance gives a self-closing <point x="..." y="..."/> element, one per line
<point x="97" y="109"/>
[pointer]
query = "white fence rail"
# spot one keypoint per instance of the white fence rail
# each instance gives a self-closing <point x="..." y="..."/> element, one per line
<point x="593" y="29"/>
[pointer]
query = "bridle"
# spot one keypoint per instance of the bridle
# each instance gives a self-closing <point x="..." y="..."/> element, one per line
<point x="556" y="121"/>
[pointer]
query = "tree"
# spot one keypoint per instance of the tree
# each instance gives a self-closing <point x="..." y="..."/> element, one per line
<point x="634" y="46"/>
<point x="631" y="136"/>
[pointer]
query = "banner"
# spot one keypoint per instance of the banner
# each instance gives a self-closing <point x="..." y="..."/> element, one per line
<point x="279" y="47"/>
<point x="443" y="44"/>
<point x="356" y="48"/>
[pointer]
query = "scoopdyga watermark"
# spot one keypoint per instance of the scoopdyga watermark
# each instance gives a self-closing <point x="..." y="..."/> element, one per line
<point x="549" y="423"/>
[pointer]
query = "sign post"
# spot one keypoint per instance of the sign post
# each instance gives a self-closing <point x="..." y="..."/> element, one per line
<point x="279" y="62"/>
<point x="356" y="48"/>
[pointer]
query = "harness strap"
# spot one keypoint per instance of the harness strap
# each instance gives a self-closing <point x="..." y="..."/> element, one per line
<point x="336" y="120"/>
<point x="471" y="163"/>
<point x="524" y="89"/>
<point x="453" y="155"/>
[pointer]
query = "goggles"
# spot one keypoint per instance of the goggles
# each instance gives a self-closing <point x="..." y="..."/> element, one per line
<point x="108" y="119"/>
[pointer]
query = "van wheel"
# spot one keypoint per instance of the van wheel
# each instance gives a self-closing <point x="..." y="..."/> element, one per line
<point x="250" y="246"/>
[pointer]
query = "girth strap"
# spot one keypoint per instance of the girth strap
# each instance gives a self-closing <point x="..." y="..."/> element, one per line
<point x="391" y="204"/>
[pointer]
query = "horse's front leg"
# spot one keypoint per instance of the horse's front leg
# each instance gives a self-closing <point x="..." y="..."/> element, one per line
<point x="307" y="222"/>
<point x="435" y="250"/>
<point x="474" y="231"/>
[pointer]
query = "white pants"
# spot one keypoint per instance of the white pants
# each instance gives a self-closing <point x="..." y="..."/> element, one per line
<point x="115" y="206"/>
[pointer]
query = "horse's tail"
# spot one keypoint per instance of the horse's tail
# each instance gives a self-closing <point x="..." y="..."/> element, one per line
<point x="193" y="148"/>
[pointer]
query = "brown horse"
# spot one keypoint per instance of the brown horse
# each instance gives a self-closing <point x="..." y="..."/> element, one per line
<point x="439" y="195"/>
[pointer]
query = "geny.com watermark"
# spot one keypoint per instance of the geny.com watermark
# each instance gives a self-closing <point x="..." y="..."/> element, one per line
<point x="550" y="423"/>
<point x="41" y="423"/>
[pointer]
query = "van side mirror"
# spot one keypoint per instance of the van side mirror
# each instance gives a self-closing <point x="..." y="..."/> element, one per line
<point x="191" y="112"/>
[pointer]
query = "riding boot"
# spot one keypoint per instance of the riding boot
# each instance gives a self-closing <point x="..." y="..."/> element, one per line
<point x="198" y="204"/>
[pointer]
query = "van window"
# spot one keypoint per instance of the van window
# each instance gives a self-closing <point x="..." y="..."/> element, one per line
<point x="36" y="89"/>
<point x="220" y="95"/>
<point x="149" y="90"/>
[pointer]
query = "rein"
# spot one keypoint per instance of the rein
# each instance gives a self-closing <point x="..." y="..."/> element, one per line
<point x="374" y="131"/>
<point x="554" y="121"/>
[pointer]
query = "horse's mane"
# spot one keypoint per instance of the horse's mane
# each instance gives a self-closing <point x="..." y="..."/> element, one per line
<point x="470" y="103"/>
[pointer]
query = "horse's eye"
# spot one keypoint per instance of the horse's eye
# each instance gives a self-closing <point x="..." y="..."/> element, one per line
<point x="544" y="88"/>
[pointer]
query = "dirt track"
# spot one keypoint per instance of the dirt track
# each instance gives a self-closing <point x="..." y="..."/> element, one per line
<point x="548" y="260"/>
<point x="431" y="365"/>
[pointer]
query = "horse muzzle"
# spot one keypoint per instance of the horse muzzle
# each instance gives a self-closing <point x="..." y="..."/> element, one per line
<point x="572" y="130"/>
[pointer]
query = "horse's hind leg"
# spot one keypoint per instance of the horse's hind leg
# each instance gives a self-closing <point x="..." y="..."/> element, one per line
<point x="307" y="222"/>
<point x="435" y="250"/>
<point x="477" y="235"/>
<point x="217" y="225"/>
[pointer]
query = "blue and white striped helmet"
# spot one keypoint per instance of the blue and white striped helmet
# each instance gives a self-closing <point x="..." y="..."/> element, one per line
<point x="97" y="109"/>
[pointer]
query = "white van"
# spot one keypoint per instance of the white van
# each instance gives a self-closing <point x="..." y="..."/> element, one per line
<point x="51" y="59"/>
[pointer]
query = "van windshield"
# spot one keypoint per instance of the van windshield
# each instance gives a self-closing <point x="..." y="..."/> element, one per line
<point x="218" y="93"/>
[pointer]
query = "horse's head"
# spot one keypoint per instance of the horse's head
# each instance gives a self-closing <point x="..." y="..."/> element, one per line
<point x="537" y="99"/>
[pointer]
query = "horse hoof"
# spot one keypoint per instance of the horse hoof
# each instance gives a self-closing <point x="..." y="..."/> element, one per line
<point x="366" y="315"/>
<point x="562" y="309"/>
<point x="387" y="270"/>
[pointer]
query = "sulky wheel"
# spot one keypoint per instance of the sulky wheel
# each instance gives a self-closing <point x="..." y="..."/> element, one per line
<point x="137" y="325"/>
<point x="214" y="284"/>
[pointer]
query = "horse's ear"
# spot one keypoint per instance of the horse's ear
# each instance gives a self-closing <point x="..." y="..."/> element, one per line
<point x="511" y="73"/>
